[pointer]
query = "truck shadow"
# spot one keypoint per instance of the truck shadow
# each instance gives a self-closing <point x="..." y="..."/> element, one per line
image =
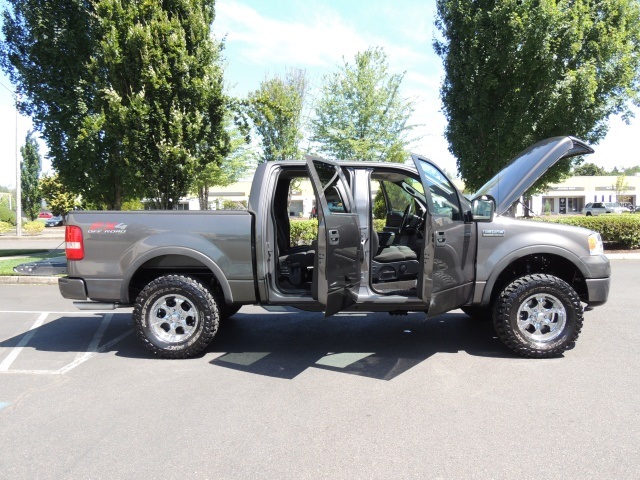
<point x="286" y="344"/>
<point x="373" y="345"/>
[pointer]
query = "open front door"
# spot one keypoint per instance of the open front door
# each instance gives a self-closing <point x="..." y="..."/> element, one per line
<point x="449" y="250"/>
<point x="339" y="251"/>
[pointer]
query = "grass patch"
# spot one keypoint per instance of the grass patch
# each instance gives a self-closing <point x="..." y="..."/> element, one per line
<point x="6" y="265"/>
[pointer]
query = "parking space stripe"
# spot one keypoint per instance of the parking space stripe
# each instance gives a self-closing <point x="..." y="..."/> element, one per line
<point x="6" y="363"/>
<point x="88" y="355"/>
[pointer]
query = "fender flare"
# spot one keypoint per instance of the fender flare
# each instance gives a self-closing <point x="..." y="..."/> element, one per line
<point x="133" y="268"/>
<point x="524" y="252"/>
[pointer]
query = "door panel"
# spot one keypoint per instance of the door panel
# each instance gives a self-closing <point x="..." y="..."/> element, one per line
<point x="339" y="251"/>
<point x="449" y="272"/>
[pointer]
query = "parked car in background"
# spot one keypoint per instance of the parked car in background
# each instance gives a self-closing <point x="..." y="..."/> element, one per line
<point x="637" y="209"/>
<point x="45" y="215"/>
<point x="56" y="221"/>
<point x="627" y="206"/>
<point x="596" y="208"/>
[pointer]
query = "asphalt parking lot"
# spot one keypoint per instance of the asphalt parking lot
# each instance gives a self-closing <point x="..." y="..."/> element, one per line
<point x="286" y="394"/>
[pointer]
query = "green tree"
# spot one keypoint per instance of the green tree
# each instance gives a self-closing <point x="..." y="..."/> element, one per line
<point x="518" y="71"/>
<point x="621" y="186"/>
<point x="275" y="109"/>
<point x="361" y="114"/>
<point x="55" y="194"/>
<point x="46" y="49"/>
<point x="225" y="171"/>
<point x="632" y="170"/>
<point x="29" y="173"/>
<point x="589" y="169"/>
<point x="163" y="91"/>
<point x="127" y="94"/>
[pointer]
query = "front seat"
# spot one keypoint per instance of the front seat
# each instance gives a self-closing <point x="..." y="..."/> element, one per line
<point x="392" y="262"/>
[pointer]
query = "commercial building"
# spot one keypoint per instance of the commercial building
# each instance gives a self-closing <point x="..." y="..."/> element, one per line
<point x="570" y="196"/>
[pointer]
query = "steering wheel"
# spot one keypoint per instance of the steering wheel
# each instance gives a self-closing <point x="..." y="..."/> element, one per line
<point x="406" y="218"/>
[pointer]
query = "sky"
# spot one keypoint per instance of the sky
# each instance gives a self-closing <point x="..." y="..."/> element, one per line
<point x="264" y="38"/>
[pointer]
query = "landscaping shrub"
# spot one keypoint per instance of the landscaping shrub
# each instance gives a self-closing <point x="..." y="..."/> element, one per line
<point x="33" y="228"/>
<point x="5" y="227"/>
<point x="623" y="230"/>
<point x="303" y="232"/>
<point x="7" y="215"/>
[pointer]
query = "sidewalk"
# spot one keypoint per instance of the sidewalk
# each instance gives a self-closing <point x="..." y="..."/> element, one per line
<point x="49" y="239"/>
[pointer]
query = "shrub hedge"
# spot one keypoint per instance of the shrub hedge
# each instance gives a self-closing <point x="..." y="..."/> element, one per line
<point x="33" y="228"/>
<point x="303" y="232"/>
<point x="623" y="229"/>
<point x="5" y="227"/>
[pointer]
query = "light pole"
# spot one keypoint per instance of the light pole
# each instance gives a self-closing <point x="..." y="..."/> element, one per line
<point x="18" y="181"/>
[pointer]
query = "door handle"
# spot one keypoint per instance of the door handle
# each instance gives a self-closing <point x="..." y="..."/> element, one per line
<point x="334" y="237"/>
<point x="440" y="239"/>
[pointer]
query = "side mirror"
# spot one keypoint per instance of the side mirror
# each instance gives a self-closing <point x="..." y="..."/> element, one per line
<point x="483" y="208"/>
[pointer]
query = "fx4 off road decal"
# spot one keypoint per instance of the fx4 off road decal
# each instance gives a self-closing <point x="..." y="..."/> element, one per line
<point x="107" y="227"/>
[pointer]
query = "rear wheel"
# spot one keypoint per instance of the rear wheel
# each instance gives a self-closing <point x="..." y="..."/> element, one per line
<point x="175" y="316"/>
<point x="538" y="316"/>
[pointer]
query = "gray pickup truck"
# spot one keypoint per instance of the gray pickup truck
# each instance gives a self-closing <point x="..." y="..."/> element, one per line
<point x="184" y="272"/>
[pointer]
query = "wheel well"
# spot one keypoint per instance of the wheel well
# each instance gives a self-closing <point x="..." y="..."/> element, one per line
<point x="177" y="265"/>
<point x="542" y="263"/>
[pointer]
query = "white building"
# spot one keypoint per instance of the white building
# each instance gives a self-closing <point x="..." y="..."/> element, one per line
<point x="574" y="193"/>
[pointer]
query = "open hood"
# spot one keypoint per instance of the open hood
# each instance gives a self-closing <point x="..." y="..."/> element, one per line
<point x="524" y="170"/>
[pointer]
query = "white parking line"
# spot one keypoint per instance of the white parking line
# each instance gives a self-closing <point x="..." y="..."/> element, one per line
<point x="6" y="363"/>
<point x="92" y="350"/>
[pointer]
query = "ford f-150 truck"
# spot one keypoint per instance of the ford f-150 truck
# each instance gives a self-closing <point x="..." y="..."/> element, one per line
<point x="186" y="271"/>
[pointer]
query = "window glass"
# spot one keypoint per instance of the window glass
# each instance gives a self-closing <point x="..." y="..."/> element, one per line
<point x="332" y="187"/>
<point x="443" y="193"/>
<point x="398" y="198"/>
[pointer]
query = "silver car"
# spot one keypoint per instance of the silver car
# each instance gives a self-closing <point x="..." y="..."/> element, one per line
<point x="596" y="208"/>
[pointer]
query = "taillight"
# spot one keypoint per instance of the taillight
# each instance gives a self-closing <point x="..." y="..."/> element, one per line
<point x="74" y="246"/>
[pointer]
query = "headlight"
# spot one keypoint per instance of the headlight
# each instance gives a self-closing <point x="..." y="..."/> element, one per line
<point x="596" y="247"/>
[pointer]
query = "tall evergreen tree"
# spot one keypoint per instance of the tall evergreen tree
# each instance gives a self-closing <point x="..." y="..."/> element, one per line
<point x="361" y="114"/>
<point x="29" y="177"/>
<point x="520" y="71"/>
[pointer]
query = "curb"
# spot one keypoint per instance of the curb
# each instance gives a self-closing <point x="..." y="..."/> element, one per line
<point x="26" y="280"/>
<point x="623" y="256"/>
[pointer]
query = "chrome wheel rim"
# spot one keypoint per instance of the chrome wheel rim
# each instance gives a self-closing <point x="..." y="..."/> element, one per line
<point x="173" y="318"/>
<point x="542" y="318"/>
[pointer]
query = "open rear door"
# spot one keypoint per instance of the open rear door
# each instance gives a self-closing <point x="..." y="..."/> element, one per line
<point x="339" y="251"/>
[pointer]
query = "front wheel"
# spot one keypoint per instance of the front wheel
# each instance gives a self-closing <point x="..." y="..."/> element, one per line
<point x="175" y="316"/>
<point x="538" y="316"/>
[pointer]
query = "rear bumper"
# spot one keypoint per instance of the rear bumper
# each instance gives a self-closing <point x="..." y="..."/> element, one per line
<point x="72" y="288"/>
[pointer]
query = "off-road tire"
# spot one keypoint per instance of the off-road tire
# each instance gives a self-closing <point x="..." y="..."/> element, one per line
<point x="538" y="316"/>
<point x="175" y="316"/>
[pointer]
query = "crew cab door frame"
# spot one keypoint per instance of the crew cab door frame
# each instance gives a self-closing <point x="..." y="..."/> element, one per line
<point x="339" y="252"/>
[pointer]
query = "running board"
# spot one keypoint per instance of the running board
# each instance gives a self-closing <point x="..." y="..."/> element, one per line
<point x="95" y="305"/>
